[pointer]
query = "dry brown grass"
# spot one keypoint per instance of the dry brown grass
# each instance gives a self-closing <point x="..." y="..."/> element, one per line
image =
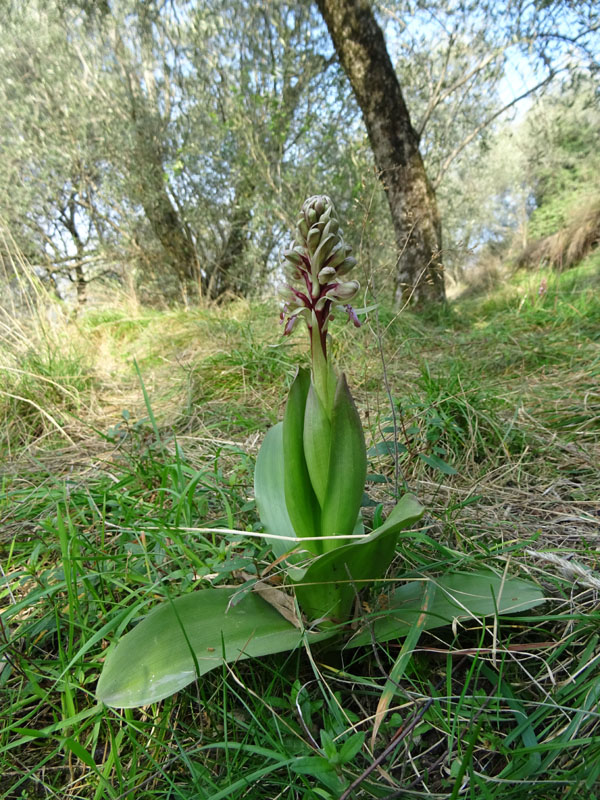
<point x="567" y="247"/>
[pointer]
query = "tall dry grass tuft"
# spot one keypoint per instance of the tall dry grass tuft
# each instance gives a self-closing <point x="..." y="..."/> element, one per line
<point x="567" y="247"/>
<point x="44" y="374"/>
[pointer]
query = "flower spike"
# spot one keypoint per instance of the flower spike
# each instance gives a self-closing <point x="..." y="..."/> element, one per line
<point x="314" y="265"/>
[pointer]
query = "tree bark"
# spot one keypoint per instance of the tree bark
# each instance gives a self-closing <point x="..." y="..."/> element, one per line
<point x="231" y="273"/>
<point x="160" y="212"/>
<point x="360" y="45"/>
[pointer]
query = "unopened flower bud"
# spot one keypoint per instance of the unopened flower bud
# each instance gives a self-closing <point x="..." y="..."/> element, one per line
<point x="338" y="254"/>
<point x="313" y="265"/>
<point x="346" y="265"/>
<point x="344" y="291"/>
<point x="333" y="226"/>
<point x="313" y="239"/>
<point x="302" y="227"/>
<point x="322" y="252"/>
<point x="291" y="272"/>
<point x="326" y="274"/>
<point x="293" y="256"/>
<point x="316" y="206"/>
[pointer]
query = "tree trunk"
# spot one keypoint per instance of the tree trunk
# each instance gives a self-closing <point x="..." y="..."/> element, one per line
<point x="359" y="43"/>
<point x="231" y="273"/>
<point x="160" y="212"/>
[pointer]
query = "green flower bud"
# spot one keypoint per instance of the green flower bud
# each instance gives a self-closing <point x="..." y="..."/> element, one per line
<point x="346" y="265"/>
<point x="326" y="274"/>
<point x="344" y="291"/>
<point x="313" y="265"/>
<point x="315" y="207"/>
<point x="322" y="252"/>
<point x="294" y="256"/>
<point x="302" y="227"/>
<point x="338" y="255"/>
<point x="313" y="239"/>
<point x="333" y="226"/>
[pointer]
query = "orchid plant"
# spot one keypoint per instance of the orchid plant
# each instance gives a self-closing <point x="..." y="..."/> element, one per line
<point x="309" y="486"/>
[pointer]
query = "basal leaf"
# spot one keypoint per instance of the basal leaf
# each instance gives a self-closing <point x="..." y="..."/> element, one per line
<point x="328" y="585"/>
<point x="302" y="504"/>
<point x="317" y="443"/>
<point x="270" y="493"/>
<point x="183" y="639"/>
<point x="347" y="467"/>
<point x="461" y="596"/>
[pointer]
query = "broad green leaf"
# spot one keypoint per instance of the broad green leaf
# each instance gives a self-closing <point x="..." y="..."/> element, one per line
<point x="347" y="468"/>
<point x="327" y="587"/>
<point x="458" y="596"/>
<point x="317" y="443"/>
<point x="270" y="493"/>
<point x="183" y="639"/>
<point x="302" y="504"/>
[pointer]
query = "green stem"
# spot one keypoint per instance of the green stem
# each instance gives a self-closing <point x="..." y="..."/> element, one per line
<point x="322" y="372"/>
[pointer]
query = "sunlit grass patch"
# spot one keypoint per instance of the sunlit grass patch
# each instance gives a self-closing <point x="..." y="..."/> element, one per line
<point x="92" y="536"/>
<point x="44" y="388"/>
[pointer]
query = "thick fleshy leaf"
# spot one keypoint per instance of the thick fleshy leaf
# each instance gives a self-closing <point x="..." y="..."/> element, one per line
<point x="460" y="596"/>
<point x="187" y="637"/>
<point x="302" y="504"/>
<point x="317" y="443"/>
<point x="327" y="587"/>
<point x="347" y="468"/>
<point x="270" y="493"/>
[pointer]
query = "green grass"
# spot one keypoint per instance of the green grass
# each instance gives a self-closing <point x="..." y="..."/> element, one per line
<point x="495" y="424"/>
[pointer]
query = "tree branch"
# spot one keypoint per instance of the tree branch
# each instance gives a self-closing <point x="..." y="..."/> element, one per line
<point x="477" y="130"/>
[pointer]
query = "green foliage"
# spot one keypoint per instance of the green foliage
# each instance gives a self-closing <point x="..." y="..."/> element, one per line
<point x="562" y="156"/>
<point x="105" y="169"/>
<point x="93" y="537"/>
<point x="162" y="148"/>
<point x="309" y="481"/>
<point x="42" y="390"/>
<point x="185" y="638"/>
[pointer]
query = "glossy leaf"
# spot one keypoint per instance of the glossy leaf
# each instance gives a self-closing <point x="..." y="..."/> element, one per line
<point x="270" y="493"/>
<point x="317" y="443"/>
<point x="302" y="504"/>
<point x="183" y="639"/>
<point x="461" y="596"/>
<point x="347" y="468"/>
<point x="327" y="587"/>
